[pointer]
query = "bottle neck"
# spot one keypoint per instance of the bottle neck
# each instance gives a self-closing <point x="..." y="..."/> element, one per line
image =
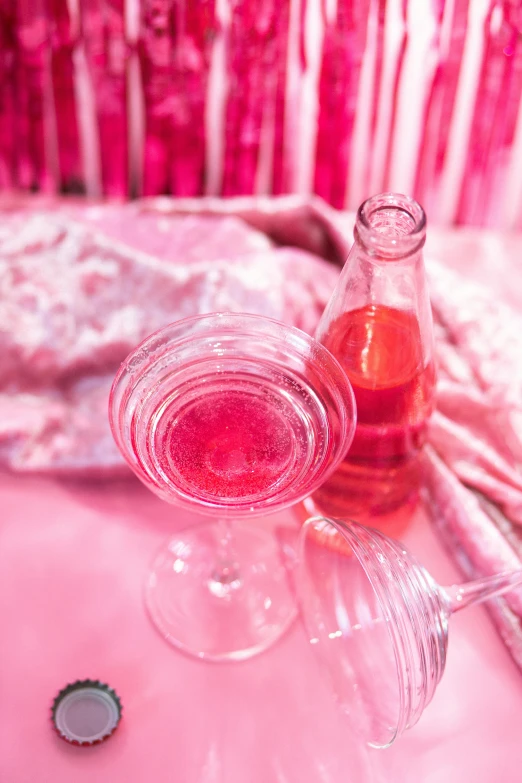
<point x="390" y="227"/>
<point x="384" y="277"/>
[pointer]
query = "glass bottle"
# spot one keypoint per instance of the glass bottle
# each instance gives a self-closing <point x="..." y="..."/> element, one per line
<point x="378" y="324"/>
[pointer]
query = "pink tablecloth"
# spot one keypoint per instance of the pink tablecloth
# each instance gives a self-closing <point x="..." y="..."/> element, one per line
<point x="73" y="557"/>
<point x="72" y="563"/>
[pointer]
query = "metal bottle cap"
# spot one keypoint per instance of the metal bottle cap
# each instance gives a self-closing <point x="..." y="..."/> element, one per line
<point x="86" y="712"/>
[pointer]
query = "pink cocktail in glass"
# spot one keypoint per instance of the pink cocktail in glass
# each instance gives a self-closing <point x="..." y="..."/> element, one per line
<point x="235" y="416"/>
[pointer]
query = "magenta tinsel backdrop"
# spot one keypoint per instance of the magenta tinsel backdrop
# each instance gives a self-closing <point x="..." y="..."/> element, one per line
<point x="226" y="97"/>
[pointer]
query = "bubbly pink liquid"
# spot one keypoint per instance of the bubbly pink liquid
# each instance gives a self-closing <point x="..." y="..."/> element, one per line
<point x="229" y="444"/>
<point x="380" y="350"/>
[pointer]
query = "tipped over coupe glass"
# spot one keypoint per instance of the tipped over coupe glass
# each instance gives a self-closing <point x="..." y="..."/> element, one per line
<point x="235" y="416"/>
<point x="378" y="622"/>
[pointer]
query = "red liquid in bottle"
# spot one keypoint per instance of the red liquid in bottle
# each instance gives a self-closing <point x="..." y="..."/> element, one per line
<point x="380" y="350"/>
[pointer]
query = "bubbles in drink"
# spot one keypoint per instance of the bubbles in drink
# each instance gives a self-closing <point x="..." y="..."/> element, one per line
<point x="231" y="443"/>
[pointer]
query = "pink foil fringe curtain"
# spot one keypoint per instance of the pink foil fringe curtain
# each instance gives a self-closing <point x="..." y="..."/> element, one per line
<point x="341" y="98"/>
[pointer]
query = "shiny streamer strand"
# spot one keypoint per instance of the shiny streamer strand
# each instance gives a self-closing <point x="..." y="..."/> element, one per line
<point x="333" y="97"/>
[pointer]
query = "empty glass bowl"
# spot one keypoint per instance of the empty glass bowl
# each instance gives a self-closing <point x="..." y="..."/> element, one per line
<point x="379" y="622"/>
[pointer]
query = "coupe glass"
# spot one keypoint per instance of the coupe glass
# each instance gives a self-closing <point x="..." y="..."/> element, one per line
<point x="234" y="416"/>
<point x="378" y="622"/>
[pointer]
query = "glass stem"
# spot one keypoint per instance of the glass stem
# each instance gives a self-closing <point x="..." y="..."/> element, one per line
<point x="225" y="575"/>
<point x="480" y="590"/>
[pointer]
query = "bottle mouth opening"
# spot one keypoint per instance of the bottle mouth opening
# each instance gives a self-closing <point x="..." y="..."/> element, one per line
<point x="391" y="225"/>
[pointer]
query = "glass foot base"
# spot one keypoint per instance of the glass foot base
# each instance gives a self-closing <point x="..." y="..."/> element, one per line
<point x="220" y="611"/>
